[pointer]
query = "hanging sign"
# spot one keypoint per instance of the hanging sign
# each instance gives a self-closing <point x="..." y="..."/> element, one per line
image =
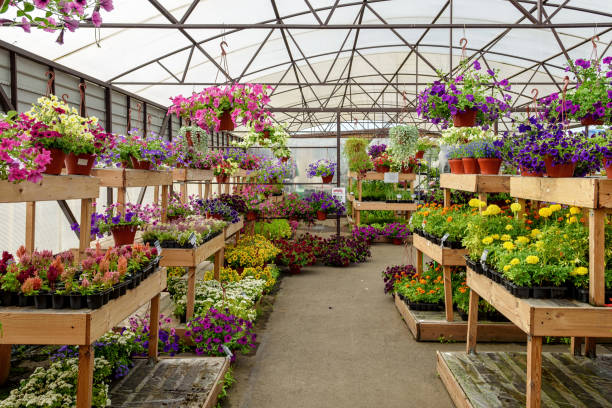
<point x="391" y="177"/>
<point x="339" y="193"/>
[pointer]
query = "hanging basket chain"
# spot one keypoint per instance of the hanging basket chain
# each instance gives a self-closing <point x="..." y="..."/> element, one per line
<point x="51" y="79"/>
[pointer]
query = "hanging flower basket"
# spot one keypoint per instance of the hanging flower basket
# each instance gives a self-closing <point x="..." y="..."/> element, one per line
<point x="124" y="234"/>
<point x="222" y="179"/>
<point x="465" y="119"/>
<point x="284" y="159"/>
<point x="266" y="134"/>
<point x="590" y="121"/>
<point x="470" y="165"/>
<point x="80" y="164"/>
<point x="327" y="179"/>
<point x="321" y="215"/>
<point x="226" y="121"/>
<point x="558" y="170"/>
<point x="489" y="165"/>
<point x="140" y="164"/>
<point x="419" y="154"/>
<point x="57" y="163"/>
<point x="456" y="166"/>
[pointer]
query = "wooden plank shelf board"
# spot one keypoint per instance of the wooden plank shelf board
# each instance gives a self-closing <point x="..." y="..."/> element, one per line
<point x="373" y="175"/>
<point x="497" y="379"/>
<point x="123" y="178"/>
<point x="433" y="326"/>
<point x="476" y="183"/>
<point x="544" y="317"/>
<point x="381" y="205"/>
<point x="587" y="192"/>
<point x="51" y="188"/>
<point x="443" y="256"/>
<point x="187" y="175"/>
<point x="235" y="228"/>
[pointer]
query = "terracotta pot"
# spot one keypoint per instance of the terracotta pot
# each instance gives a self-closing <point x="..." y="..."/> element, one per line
<point x="216" y="217"/>
<point x="140" y="164"/>
<point x="529" y="173"/>
<point x="559" y="170"/>
<point x="383" y="169"/>
<point x="456" y="166"/>
<point x="589" y="121"/>
<point x="126" y="165"/>
<point x="284" y="159"/>
<point x="226" y="121"/>
<point x="222" y="179"/>
<point x="266" y="134"/>
<point x="80" y="164"/>
<point x="327" y="179"/>
<point x="419" y="154"/>
<point x="407" y="169"/>
<point x="295" y="269"/>
<point x="470" y="165"/>
<point x="608" y="167"/>
<point x="398" y="241"/>
<point x="124" y="234"/>
<point x="489" y="165"/>
<point x="251" y="216"/>
<point x="321" y="215"/>
<point x="56" y="164"/>
<point x="465" y="119"/>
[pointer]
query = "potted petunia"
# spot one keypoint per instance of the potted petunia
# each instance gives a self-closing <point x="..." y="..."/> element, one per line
<point x="224" y="170"/>
<point x="324" y="203"/>
<point x="122" y="223"/>
<point x="322" y="168"/>
<point x="602" y="143"/>
<point x="382" y="163"/>
<point x="294" y="255"/>
<point x="468" y="99"/>
<point x="376" y="150"/>
<point x="396" y="231"/>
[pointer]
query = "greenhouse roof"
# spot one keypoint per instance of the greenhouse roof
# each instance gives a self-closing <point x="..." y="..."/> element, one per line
<point x="370" y="56"/>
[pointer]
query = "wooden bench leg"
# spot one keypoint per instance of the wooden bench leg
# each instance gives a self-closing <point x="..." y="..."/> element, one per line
<point x="219" y="255"/>
<point x="534" y="371"/>
<point x="190" y="292"/>
<point x="590" y="345"/>
<point x="5" y="362"/>
<point x="447" y="197"/>
<point x="85" y="381"/>
<point x="183" y="187"/>
<point x="472" y="328"/>
<point x="30" y="238"/>
<point x="419" y="262"/>
<point x="448" y="293"/>
<point x="576" y="346"/>
<point x="154" y="327"/>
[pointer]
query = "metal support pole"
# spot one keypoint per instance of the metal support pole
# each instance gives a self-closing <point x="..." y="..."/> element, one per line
<point x="13" y="63"/>
<point x="450" y="42"/>
<point x="338" y="173"/>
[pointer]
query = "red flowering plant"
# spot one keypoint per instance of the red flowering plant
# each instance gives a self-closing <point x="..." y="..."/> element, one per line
<point x="313" y="241"/>
<point x="394" y="274"/>
<point x="297" y="253"/>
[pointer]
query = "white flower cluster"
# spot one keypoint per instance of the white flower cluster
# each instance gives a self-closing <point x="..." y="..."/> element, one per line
<point x="457" y="135"/>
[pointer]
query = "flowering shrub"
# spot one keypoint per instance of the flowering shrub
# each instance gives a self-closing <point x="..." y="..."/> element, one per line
<point x="315" y="242"/>
<point x="244" y="101"/>
<point x="322" y="168"/>
<point x="133" y="215"/>
<point x="297" y="253"/>
<point x="323" y="201"/>
<point x="394" y="274"/>
<point x="382" y="159"/>
<point x="140" y="328"/>
<point x="217" y="329"/>
<point x="468" y="91"/>
<point x="294" y="208"/>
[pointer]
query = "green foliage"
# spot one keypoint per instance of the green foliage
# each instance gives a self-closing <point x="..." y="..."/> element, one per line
<point x="403" y="142"/>
<point x="355" y="152"/>
<point x="228" y="382"/>
<point x="274" y="229"/>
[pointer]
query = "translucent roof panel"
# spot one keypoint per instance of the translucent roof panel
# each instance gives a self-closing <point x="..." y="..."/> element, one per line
<point x="161" y="48"/>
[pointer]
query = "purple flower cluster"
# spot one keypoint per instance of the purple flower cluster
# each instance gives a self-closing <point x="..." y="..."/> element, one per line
<point x="341" y="251"/>
<point x="365" y="233"/>
<point x="376" y="150"/>
<point x="234" y="201"/>
<point x="218" y="207"/>
<point x="322" y="201"/>
<point x="216" y="329"/>
<point x="395" y="230"/>
<point x="321" y="168"/>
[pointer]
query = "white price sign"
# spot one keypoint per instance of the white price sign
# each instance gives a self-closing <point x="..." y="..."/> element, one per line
<point x="391" y="177"/>
<point x="339" y="193"/>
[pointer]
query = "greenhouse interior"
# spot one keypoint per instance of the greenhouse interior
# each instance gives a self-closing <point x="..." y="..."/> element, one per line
<point x="306" y="203"/>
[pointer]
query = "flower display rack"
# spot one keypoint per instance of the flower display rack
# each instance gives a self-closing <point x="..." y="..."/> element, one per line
<point x="121" y="179"/>
<point x="358" y="205"/>
<point x="184" y="177"/>
<point x="80" y="327"/>
<point x="481" y="184"/>
<point x="191" y="258"/>
<point x="544" y="317"/>
<point x="233" y="230"/>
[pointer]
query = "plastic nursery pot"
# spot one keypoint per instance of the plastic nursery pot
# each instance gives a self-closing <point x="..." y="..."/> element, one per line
<point x="9" y="298"/>
<point x="456" y="166"/>
<point x="327" y="179"/>
<point x="465" y="119"/>
<point x="383" y="169"/>
<point x="398" y="241"/>
<point x="77" y="301"/>
<point x="95" y="301"/>
<point x="23" y="300"/>
<point x="140" y="164"/>
<point x="222" y="179"/>
<point x="489" y="165"/>
<point x="295" y="269"/>
<point x="79" y="164"/>
<point x="321" y="215"/>
<point x="558" y="170"/>
<point x="226" y="122"/>
<point x="251" y="216"/>
<point x="57" y="163"/>
<point x="419" y="154"/>
<point x="470" y="165"/>
<point x="589" y="121"/>
<point x="58" y="301"/>
<point x="530" y="173"/>
<point x="42" y="301"/>
<point x="608" y="167"/>
<point x="124" y="234"/>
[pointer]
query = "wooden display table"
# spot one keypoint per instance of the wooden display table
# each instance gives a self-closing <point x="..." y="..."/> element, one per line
<point x="191" y="258"/>
<point x="189" y="176"/>
<point x="482" y="184"/>
<point x="121" y="179"/>
<point x="233" y="230"/>
<point x="82" y="327"/>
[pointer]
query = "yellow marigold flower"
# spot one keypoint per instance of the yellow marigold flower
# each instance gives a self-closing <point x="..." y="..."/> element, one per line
<point x="545" y="212"/>
<point x="535" y="232"/>
<point x="507" y="268"/>
<point x="474" y="202"/>
<point x="505" y="237"/>
<point x="539" y="244"/>
<point x="575" y="210"/>
<point x="555" y="207"/>
<point x="572" y="220"/>
<point x="495" y="236"/>
<point x="509" y="246"/>
<point x="522" y="240"/>
<point x="581" y="270"/>
<point x="532" y="259"/>
<point x="493" y="209"/>
<point x="509" y="227"/>
<point x="515" y="261"/>
<point x="516" y="207"/>
<point x="486" y="212"/>
<point x="487" y="240"/>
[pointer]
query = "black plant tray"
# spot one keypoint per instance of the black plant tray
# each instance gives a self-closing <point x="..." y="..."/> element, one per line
<point x="494" y="316"/>
<point x="424" y="307"/>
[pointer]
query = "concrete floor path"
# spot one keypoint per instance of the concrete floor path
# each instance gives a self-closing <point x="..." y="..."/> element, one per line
<point x="334" y="339"/>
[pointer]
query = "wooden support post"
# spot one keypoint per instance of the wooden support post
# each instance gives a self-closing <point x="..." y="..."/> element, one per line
<point x="472" y="328"/>
<point x="183" y="187"/>
<point x="219" y="188"/>
<point x="576" y="346"/>
<point x="523" y="204"/>
<point x="121" y="193"/>
<point x="447" y="197"/>
<point x="227" y="186"/>
<point x="357" y="217"/>
<point x="164" y="203"/>
<point x="482" y="197"/>
<point x="448" y="293"/>
<point x="411" y="188"/>
<point x="534" y="371"/>
<point x="156" y="195"/>
<point x="200" y="190"/>
<point x="85" y="223"/>
<point x="207" y="190"/>
<point x="590" y="346"/>
<point x="5" y="362"/>
<point x="85" y="381"/>
<point x="359" y="181"/>
<point x="219" y="257"/>
<point x="190" y="292"/>
<point x="419" y="266"/>
<point x="30" y="238"/>
<point x="154" y="327"/>
<point x="597" y="261"/>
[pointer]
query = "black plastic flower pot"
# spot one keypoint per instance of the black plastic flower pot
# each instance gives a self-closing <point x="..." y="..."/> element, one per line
<point x="558" y="292"/>
<point x="76" y="301"/>
<point x="24" y="301"/>
<point x="42" y="301"/>
<point x="123" y="286"/>
<point x="147" y="270"/>
<point x="9" y="298"/>
<point x="541" y="292"/>
<point x="58" y="301"/>
<point x="521" y="292"/>
<point x="95" y="301"/>
<point x="106" y="296"/>
<point x="115" y="292"/>
<point x="582" y="295"/>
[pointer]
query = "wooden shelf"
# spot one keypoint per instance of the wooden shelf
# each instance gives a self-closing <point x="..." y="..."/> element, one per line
<point x="373" y="175"/>
<point x="51" y="188"/>
<point x="234" y="228"/>
<point x="124" y="178"/>
<point x="433" y="326"/>
<point x="588" y="192"/>
<point x="476" y="183"/>
<point x="544" y="317"/>
<point x="381" y="205"/>
<point x="193" y="175"/>
<point x="192" y="257"/>
<point x="443" y="256"/>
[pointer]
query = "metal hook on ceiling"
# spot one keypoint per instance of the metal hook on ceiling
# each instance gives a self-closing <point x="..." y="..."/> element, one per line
<point x="463" y="42"/>
<point x="51" y="78"/>
<point x="535" y="93"/>
<point x="594" y="51"/>
<point x="65" y="98"/>
<point x="223" y="52"/>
